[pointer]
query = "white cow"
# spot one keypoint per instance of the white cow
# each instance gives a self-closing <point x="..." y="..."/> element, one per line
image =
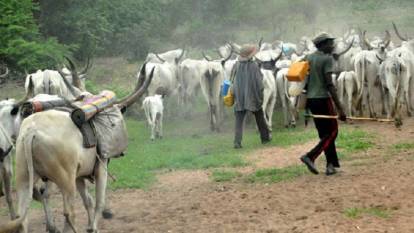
<point x="190" y="72"/>
<point x="269" y="96"/>
<point x="50" y="146"/>
<point x="52" y="82"/>
<point x="210" y="81"/>
<point x="290" y="112"/>
<point x="154" y="109"/>
<point x="172" y="56"/>
<point x="395" y="79"/>
<point x="347" y="86"/>
<point x="7" y="131"/>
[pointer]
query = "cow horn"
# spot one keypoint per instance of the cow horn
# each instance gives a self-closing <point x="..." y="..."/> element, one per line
<point x="140" y="89"/>
<point x="29" y="93"/>
<point x="218" y="52"/>
<point x="387" y="38"/>
<point x="159" y="58"/>
<point x="347" y="49"/>
<point x="379" y="59"/>
<point x="205" y="56"/>
<point x="366" y="42"/>
<point x="398" y="32"/>
<point x="279" y="56"/>
<point x="229" y="56"/>
<point x="5" y="74"/>
<point x="75" y="78"/>
<point x="181" y="56"/>
<point x="260" y="42"/>
<point x="68" y="85"/>
<point x="88" y="65"/>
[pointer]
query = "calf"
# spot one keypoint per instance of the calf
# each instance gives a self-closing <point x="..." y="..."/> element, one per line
<point x="154" y="108"/>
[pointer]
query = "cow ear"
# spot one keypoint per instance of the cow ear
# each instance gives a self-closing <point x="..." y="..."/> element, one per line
<point x="14" y="110"/>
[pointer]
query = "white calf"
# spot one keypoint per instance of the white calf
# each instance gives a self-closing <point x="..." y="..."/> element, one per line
<point x="154" y="108"/>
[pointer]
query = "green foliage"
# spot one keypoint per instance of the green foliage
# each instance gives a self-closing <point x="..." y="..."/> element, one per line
<point x="22" y="47"/>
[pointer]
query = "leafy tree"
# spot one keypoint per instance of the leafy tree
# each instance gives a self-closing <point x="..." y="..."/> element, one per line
<point x="22" y="47"/>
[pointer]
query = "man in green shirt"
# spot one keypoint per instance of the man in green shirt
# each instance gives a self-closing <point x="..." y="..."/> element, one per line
<point x="320" y="94"/>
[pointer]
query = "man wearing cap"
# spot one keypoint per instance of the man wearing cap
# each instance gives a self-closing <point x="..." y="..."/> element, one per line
<point x="248" y="94"/>
<point x="320" y="94"/>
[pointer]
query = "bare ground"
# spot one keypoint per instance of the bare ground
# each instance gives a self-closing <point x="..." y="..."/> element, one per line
<point x="188" y="201"/>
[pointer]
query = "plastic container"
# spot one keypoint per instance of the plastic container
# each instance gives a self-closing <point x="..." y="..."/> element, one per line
<point x="225" y="87"/>
<point x="298" y="71"/>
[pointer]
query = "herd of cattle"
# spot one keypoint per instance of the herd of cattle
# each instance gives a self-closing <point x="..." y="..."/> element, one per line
<point x="373" y="78"/>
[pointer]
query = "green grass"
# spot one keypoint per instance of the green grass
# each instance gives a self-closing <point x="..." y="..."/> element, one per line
<point x="277" y="174"/>
<point x="224" y="176"/>
<point x="355" y="212"/>
<point x="403" y="146"/>
<point x="353" y="140"/>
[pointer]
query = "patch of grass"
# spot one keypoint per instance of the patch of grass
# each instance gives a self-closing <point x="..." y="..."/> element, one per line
<point x="355" y="212"/>
<point x="354" y="140"/>
<point x="223" y="176"/>
<point x="275" y="175"/>
<point x="403" y="146"/>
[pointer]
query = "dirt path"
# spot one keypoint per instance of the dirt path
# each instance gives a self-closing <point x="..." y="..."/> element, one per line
<point x="188" y="201"/>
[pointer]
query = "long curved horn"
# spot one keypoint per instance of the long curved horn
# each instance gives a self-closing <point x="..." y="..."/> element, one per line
<point x="387" y="38"/>
<point x="5" y="74"/>
<point x="279" y="56"/>
<point x="88" y="65"/>
<point x="379" y="59"/>
<point x="205" y="57"/>
<point x="29" y="93"/>
<point x="398" y="32"/>
<point x="218" y="52"/>
<point x="180" y="57"/>
<point x="75" y="78"/>
<point x="260" y="42"/>
<point x="72" y="90"/>
<point x="347" y="49"/>
<point x="366" y="42"/>
<point x="228" y="57"/>
<point x="162" y="60"/>
<point x="132" y="98"/>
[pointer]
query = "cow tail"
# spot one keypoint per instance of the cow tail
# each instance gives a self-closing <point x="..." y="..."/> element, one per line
<point x="341" y="86"/>
<point x="360" y="72"/>
<point x="13" y="225"/>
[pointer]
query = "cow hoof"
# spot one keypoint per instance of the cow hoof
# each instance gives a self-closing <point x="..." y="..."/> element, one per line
<point x="53" y="230"/>
<point x="107" y="214"/>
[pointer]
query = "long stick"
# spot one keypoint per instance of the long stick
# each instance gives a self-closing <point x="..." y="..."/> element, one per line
<point x="350" y="118"/>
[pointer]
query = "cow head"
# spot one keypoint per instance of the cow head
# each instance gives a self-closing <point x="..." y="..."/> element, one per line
<point x="10" y="120"/>
<point x="378" y="44"/>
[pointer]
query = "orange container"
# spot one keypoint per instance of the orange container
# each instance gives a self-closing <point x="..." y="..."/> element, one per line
<point x="297" y="71"/>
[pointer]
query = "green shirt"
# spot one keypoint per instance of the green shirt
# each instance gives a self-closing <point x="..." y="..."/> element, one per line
<point x="320" y="65"/>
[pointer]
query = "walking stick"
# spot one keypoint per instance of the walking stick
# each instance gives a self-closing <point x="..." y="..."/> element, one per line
<point x="350" y="118"/>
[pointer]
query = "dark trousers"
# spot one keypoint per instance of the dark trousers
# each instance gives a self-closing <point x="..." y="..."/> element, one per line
<point x="260" y="121"/>
<point x="327" y="130"/>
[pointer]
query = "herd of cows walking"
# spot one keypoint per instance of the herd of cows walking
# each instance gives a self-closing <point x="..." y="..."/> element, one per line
<point x="373" y="78"/>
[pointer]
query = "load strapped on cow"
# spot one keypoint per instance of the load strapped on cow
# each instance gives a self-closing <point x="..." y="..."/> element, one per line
<point x="100" y="123"/>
